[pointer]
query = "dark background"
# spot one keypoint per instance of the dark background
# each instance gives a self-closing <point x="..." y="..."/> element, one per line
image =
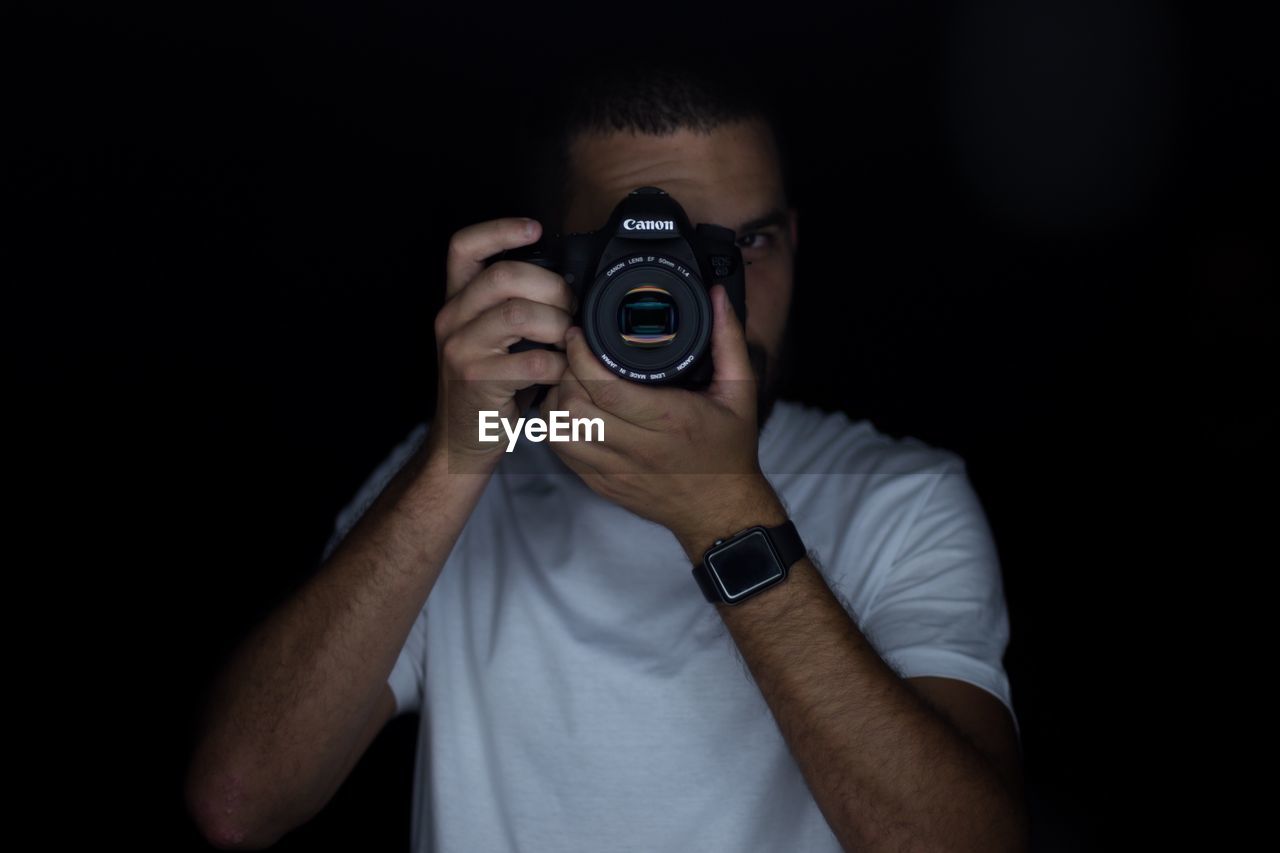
<point x="1042" y="236"/>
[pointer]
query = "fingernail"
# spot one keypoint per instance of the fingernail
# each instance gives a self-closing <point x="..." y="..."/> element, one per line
<point x="530" y="226"/>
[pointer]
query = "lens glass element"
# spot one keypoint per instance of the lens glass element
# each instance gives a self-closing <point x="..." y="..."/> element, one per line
<point x="647" y="316"/>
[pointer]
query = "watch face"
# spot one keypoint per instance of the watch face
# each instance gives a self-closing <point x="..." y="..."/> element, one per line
<point x="745" y="565"/>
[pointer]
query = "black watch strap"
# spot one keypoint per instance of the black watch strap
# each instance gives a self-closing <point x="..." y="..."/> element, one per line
<point x="786" y="541"/>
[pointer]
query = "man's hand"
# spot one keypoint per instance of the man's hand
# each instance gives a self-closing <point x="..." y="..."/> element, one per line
<point x="686" y="460"/>
<point x="486" y="310"/>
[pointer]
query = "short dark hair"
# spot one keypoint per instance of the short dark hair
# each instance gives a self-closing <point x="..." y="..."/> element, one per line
<point x="640" y="93"/>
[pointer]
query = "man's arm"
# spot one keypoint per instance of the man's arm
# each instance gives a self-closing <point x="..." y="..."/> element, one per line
<point x="291" y="714"/>
<point x="304" y="694"/>
<point x="888" y="771"/>
<point x="892" y="765"/>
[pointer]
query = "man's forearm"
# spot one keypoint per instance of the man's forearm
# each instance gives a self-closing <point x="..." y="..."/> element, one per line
<point x="886" y="770"/>
<point x="283" y="718"/>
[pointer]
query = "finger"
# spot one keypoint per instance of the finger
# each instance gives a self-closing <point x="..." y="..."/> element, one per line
<point x="733" y="381"/>
<point x="509" y="280"/>
<point x="507" y="374"/>
<point x="620" y="397"/>
<point x="572" y="396"/>
<point x="595" y="454"/>
<point x="470" y="246"/>
<point x="511" y="320"/>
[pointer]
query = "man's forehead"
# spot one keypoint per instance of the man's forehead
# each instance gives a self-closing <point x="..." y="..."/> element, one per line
<point x="727" y="176"/>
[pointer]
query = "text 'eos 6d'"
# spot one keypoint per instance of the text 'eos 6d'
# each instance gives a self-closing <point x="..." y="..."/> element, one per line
<point x="560" y="428"/>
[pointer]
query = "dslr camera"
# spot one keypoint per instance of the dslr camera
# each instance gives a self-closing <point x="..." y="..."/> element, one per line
<point x="642" y="282"/>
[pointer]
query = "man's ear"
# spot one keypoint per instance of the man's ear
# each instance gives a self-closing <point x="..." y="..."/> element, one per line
<point x="793" y="215"/>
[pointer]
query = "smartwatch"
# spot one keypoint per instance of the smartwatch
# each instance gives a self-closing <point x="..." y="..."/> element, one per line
<point x="748" y="563"/>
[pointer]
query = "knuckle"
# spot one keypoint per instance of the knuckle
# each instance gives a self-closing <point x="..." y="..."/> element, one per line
<point x="607" y="393"/>
<point x="537" y="363"/>
<point x="678" y="422"/>
<point x="457" y="246"/>
<point x="502" y="274"/>
<point x="470" y="371"/>
<point x="443" y="322"/>
<point x="559" y="364"/>
<point x="645" y="459"/>
<point x="514" y="313"/>
<point x="450" y="351"/>
<point x="552" y="364"/>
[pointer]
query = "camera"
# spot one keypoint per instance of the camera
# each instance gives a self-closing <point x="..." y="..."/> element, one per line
<point x="642" y="282"/>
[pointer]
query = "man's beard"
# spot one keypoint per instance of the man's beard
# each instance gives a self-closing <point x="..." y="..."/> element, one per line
<point x="770" y="375"/>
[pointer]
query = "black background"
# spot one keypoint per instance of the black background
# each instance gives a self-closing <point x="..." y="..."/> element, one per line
<point x="1042" y="236"/>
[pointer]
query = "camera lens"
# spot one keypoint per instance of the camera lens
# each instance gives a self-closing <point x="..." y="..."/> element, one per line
<point x="647" y="316"/>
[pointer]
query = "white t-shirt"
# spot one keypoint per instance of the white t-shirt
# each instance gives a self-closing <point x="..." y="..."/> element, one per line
<point x="578" y="693"/>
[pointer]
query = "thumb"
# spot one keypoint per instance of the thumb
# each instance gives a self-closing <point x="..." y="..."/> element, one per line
<point x="733" y="380"/>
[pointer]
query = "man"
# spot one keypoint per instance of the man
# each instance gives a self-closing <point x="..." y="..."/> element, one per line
<point x="577" y="690"/>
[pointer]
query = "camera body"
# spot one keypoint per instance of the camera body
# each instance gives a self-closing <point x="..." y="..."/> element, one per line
<point x="642" y="282"/>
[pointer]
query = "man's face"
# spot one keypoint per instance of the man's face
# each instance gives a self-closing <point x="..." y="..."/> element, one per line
<point x="728" y="177"/>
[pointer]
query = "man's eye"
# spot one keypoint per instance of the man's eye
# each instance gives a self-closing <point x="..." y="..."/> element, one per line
<point x="755" y="240"/>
